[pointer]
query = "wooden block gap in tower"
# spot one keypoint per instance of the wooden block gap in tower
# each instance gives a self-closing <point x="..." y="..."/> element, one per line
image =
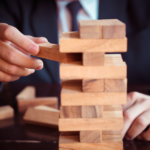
<point x="73" y="95"/>
<point x="93" y="59"/>
<point x="98" y="29"/>
<point x="90" y="136"/>
<point x="115" y="85"/>
<point x="112" y="69"/>
<point x="71" y="43"/>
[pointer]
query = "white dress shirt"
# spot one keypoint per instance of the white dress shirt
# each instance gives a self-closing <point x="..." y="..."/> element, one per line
<point x="89" y="11"/>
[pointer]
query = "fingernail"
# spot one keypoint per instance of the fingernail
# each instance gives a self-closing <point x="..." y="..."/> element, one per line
<point x="40" y="65"/>
<point x="43" y="40"/>
<point x="32" y="70"/>
<point x="33" y="49"/>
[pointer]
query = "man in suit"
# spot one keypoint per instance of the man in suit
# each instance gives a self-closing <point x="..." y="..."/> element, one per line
<point x="45" y="18"/>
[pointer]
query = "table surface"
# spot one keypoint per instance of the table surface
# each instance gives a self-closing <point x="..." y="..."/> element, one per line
<point x="15" y="134"/>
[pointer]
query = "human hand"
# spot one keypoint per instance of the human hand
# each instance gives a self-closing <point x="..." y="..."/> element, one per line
<point x="15" y="51"/>
<point x="136" y="117"/>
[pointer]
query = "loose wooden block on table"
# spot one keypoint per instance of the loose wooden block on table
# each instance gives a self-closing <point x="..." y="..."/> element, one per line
<point x="115" y="85"/>
<point x="75" y="97"/>
<point x="95" y="85"/>
<point x="71" y="43"/>
<point x="42" y="115"/>
<point x="51" y="51"/>
<point x="113" y="122"/>
<point x="73" y="143"/>
<point x="90" y="136"/>
<point x="81" y="111"/>
<point x="98" y="29"/>
<point x="26" y="98"/>
<point x="111" y="70"/>
<point x="6" y="112"/>
<point x="93" y="59"/>
<point x="112" y="108"/>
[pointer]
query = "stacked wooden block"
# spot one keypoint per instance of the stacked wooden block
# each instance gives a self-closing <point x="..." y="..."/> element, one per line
<point x="93" y="89"/>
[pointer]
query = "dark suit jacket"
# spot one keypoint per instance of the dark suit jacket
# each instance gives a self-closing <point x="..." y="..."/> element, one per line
<point x="39" y="18"/>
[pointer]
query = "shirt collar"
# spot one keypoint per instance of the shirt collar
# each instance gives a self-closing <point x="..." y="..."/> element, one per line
<point x="90" y="6"/>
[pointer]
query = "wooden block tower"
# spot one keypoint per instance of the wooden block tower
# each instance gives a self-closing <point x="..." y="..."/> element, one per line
<point x="94" y="88"/>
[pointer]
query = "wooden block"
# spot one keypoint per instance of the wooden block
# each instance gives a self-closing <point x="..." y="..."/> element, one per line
<point x="97" y="29"/>
<point x="111" y="132"/>
<point x="113" y="28"/>
<point x="92" y="111"/>
<point x="6" y="112"/>
<point x="81" y="111"/>
<point x="51" y="51"/>
<point x="112" y="136"/>
<point x="93" y="59"/>
<point x="75" y="97"/>
<point x="114" y="122"/>
<point x="90" y="29"/>
<point x="115" y="85"/>
<point x="109" y="114"/>
<point x="112" y="108"/>
<point x="70" y="112"/>
<point x="27" y="93"/>
<point x="26" y="98"/>
<point x="90" y="136"/>
<point x="42" y="115"/>
<point x="110" y="70"/>
<point x="73" y="143"/>
<point x="95" y="85"/>
<point x="71" y="43"/>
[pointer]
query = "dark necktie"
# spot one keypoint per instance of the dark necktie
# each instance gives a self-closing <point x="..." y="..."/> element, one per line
<point x="74" y="8"/>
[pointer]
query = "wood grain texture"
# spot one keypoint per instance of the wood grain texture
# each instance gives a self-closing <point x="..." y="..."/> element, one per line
<point x="97" y="29"/>
<point x="6" y="112"/>
<point x="112" y="69"/>
<point x="70" y="112"/>
<point x="115" y="85"/>
<point x="83" y="124"/>
<point x="75" y="97"/>
<point x="92" y="111"/>
<point x="71" y="43"/>
<point x="51" y="51"/>
<point x="112" y="108"/>
<point x="42" y="115"/>
<point x="95" y="85"/>
<point x="81" y="111"/>
<point x="90" y="136"/>
<point x="93" y="59"/>
<point x="112" y="136"/>
<point x="72" y="143"/>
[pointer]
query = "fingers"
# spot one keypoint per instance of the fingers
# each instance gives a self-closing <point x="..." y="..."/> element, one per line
<point x="132" y="98"/>
<point x="133" y="112"/>
<point x="7" y="78"/>
<point x="145" y="135"/>
<point x="14" y="70"/>
<point x="13" y="35"/>
<point x="15" y="57"/>
<point x="38" y="40"/>
<point x="139" y="125"/>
